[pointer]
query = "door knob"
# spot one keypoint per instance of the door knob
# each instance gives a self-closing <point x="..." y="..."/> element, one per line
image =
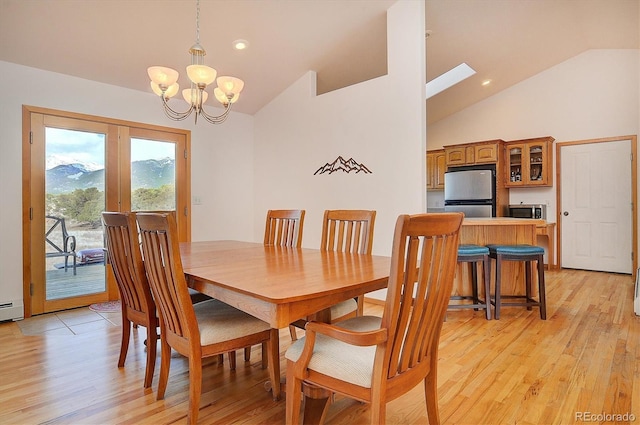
<point x="566" y="213"/>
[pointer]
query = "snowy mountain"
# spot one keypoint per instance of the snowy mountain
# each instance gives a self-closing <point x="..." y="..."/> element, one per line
<point x="67" y="177"/>
<point x="54" y="160"/>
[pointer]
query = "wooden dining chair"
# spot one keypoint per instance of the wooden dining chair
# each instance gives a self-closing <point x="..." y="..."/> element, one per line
<point x="137" y="305"/>
<point x="375" y="359"/>
<point x="283" y="228"/>
<point x="197" y="330"/>
<point x="345" y="231"/>
<point x="348" y="231"/>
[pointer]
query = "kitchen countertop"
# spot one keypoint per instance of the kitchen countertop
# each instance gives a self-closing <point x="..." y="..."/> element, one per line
<point x="501" y="221"/>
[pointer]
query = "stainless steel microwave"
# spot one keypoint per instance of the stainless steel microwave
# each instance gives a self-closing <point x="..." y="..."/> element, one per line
<point x="537" y="211"/>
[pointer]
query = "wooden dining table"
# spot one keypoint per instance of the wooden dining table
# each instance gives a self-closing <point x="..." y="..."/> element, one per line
<point x="280" y="284"/>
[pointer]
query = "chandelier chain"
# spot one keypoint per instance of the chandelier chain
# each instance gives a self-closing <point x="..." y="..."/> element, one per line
<point x="197" y="21"/>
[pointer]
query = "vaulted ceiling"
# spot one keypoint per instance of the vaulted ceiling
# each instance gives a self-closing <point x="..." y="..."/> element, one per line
<point x="114" y="41"/>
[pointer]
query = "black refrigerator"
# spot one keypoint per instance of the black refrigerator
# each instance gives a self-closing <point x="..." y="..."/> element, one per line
<point x="471" y="190"/>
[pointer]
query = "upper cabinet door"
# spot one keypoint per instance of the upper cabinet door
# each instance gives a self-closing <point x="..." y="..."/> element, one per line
<point x="436" y="166"/>
<point x="529" y="163"/>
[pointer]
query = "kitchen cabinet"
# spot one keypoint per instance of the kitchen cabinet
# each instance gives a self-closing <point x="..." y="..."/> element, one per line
<point x="436" y="166"/>
<point x="473" y="153"/>
<point x="528" y="162"/>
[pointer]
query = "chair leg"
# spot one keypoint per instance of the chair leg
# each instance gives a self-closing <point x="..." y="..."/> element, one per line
<point x="474" y="282"/>
<point x="378" y="411"/>
<point x="265" y="355"/>
<point x="293" y="333"/>
<point x="165" y="364"/>
<point x="541" y="289"/>
<point x="152" y="337"/>
<point x="126" y="333"/>
<point x="486" y="269"/>
<point x="195" y="388"/>
<point x="527" y="280"/>
<point x="232" y="360"/>
<point x="431" y="394"/>
<point x="360" y="308"/>
<point x="273" y="353"/>
<point x="294" y="396"/>
<point x="497" y="293"/>
<point x="247" y="354"/>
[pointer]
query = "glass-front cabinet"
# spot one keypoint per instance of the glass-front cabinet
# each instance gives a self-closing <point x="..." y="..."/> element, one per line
<point x="529" y="162"/>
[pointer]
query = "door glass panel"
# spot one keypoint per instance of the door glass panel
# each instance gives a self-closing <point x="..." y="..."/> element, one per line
<point x="153" y="175"/>
<point x="74" y="201"/>
<point x="536" y="163"/>
<point x="515" y="162"/>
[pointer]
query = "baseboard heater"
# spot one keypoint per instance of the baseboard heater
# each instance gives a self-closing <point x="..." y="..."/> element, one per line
<point x="11" y="310"/>
<point x="636" y="295"/>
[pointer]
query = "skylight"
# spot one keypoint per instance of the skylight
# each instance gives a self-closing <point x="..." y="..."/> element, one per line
<point x="448" y="79"/>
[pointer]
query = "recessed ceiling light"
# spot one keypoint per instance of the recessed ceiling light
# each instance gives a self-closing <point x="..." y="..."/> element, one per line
<point x="240" y="44"/>
<point x="486" y="82"/>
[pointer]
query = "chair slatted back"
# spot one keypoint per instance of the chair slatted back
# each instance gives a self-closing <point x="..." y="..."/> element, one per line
<point x="125" y="257"/>
<point x="284" y="228"/>
<point x="348" y="231"/>
<point x="423" y="266"/>
<point x="163" y="265"/>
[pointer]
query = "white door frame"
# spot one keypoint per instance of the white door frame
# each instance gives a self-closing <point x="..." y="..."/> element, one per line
<point x="634" y="191"/>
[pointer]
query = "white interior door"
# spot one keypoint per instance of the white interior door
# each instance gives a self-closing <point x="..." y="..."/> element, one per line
<point x="596" y="206"/>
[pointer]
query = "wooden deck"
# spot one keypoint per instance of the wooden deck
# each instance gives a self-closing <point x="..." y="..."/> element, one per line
<point x="89" y="279"/>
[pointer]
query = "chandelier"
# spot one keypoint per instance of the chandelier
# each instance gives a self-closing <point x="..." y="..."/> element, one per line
<point x="164" y="84"/>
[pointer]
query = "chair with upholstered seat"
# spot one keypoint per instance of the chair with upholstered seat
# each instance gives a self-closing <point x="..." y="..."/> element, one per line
<point x="196" y="331"/>
<point x="137" y="305"/>
<point x="374" y="359"/>
<point x="473" y="254"/>
<point x="346" y="231"/>
<point x="527" y="254"/>
<point x="283" y="228"/>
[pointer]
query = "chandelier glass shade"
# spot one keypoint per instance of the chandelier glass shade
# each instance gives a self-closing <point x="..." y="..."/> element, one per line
<point x="164" y="83"/>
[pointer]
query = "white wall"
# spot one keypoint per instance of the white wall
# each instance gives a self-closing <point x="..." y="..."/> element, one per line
<point x="379" y="123"/>
<point x="222" y="156"/>
<point x="593" y="95"/>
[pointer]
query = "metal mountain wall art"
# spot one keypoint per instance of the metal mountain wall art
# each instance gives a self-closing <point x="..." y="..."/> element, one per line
<point x="346" y="166"/>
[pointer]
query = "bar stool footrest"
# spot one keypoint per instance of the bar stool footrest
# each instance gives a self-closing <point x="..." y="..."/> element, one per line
<point x="478" y="303"/>
<point x="528" y="302"/>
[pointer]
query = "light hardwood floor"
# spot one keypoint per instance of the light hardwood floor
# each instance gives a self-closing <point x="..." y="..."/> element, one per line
<point x="518" y="370"/>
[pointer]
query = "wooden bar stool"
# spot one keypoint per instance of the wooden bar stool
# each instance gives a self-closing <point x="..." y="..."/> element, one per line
<point x="526" y="253"/>
<point x="474" y="254"/>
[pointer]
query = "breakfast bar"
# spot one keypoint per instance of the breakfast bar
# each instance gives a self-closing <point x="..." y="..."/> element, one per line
<point x="497" y="230"/>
